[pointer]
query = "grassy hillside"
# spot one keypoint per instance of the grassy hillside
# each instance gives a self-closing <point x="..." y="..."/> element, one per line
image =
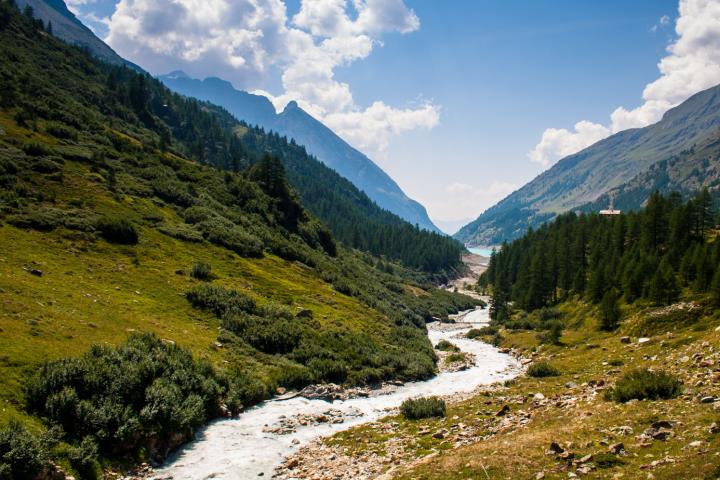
<point x="164" y="292"/>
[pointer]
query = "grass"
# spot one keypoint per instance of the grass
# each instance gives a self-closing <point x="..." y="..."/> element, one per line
<point x="101" y="292"/>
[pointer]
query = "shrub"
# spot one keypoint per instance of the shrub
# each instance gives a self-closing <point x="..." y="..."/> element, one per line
<point x="445" y="346"/>
<point x="201" y="271"/>
<point x="119" y="398"/>
<point x="455" y="357"/>
<point x="609" y="311"/>
<point x="327" y="370"/>
<point x="542" y="369"/>
<point x="644" y="384"/>
<point x="118" y="230"/>
<point x="479" y="332"/>
<point x="219" y="300"/>
<point x="553" y="334"/>
<point x="424" y="407"/>
<point x="295" y="376"/>
<point x="607" y="460"/>
<point x="182" y="232"/>
<point x="616" y="362"/>
<point x="22" y="455"/>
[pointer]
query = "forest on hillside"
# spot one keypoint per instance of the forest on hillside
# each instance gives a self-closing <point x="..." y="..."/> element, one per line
<point x="654" y="255"/>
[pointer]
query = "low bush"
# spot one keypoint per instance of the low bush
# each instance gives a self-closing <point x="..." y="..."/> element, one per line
<point x="642" y="384"/>
<point x="219" y="300"/>
<point x="455" y="357"/>
<point x="201" y="271"/>
<point x="607" y="460"/>
<point x="480" y="332"/>
<point x="118" y="230"/>
<point x="616" y="362"/>
<point x="445" y="346"/>
<point x="542" y="369"/>
<point x="182" y="232"/>
<point x="424" y="407"/>
<point x="22" y="454"/>
<point x="142" y="393"/>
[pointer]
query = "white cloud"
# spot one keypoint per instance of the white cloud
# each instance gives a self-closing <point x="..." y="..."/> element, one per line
<point x="245" y="41"/>
<point x="557" y="143"/>
<point x="691" y="65"/>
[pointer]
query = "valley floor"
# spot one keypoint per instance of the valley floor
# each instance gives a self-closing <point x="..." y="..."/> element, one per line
<point x="506" y="431"/>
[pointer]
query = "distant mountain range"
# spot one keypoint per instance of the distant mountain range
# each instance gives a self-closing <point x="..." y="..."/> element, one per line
<point x="319" y="140"/>
<point x="67" y="27"/>
<point x="679" y="153"/>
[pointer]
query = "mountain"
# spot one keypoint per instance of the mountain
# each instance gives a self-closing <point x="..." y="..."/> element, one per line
<point x="147" y="289"/>
<point x="684" y="139"/>
<point x="67" y="27"/>
<point x="319" y="140"/>
<point x="354" y="219"/>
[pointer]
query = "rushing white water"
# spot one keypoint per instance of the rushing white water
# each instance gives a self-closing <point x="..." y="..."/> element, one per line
<point x="239" y="449"/>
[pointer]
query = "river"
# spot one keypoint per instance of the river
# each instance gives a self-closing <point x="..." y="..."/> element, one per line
<point x="239" y="449"/>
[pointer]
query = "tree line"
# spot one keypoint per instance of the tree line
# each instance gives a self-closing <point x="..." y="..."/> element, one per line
<point x="650" y="255"/>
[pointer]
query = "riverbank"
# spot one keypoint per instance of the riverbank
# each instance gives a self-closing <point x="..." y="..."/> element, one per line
<point x="561" y="426"/>
<point x="257" y="442"/>
<point x="476" y="265"/>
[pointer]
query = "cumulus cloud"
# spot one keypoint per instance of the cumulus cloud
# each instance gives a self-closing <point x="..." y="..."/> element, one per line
<point x="691" y="65"/>
<point x="246" y="41"/>
<point x="557" y="143"/>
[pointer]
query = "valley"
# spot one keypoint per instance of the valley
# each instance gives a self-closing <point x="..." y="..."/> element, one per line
<point x="198" y="281"/>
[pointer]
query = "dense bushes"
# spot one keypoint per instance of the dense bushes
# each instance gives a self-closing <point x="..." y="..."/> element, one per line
<point x="219" y="300"/>
<point x="425" y="407"/>
<point x="644" y="384"/>
<point x="22" y="454"/>
<point x="542" y="369"/>
<point x="142" y="393"/>
<point x="118" y="230"/>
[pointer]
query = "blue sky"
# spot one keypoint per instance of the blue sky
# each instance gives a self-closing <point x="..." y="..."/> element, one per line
<point x="463" y="90"/>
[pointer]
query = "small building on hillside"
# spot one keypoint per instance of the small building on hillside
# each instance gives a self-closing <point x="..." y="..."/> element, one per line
<point x="611" y="210"/>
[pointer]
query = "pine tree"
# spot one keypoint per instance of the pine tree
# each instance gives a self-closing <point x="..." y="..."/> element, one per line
<point x="663" y="288"/>
<point x="609" y="311"/>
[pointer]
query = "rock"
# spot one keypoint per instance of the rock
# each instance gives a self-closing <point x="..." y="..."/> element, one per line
<point x="180" y="272"/>
<point x="584" y="470"/>
<point x="539" y="396"/>
<point x="554" y="449"/>
<point x="305" y="313"/>
<point x="707" y="399"/>
<point x="695" y="444"/>
<point x="643" y="340"/>
<point x="661" y="435"/>
<point x="33" y="271"/>
<point x="587" y="458"/>
<point x="280" y="391"/>
<point x="623" y="430"/>
<point x="625" y="340"/>
<point x="540" y="476"/>
<point x="503" y="411"/>
<point x="571" y="385"/>
<point x="440" y="434"/>
<point x="566" y="456"/>
<point x="617" y="448"/>
<point x="662" y="424"/>
<point x="292" y="463"/>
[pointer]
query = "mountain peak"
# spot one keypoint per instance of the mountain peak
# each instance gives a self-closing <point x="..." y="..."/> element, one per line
<point x="175" y="74"/>
<point x="292" y="105"/>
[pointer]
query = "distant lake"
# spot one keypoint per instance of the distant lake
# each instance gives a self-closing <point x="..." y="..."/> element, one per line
<point x="485" y="252"/>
